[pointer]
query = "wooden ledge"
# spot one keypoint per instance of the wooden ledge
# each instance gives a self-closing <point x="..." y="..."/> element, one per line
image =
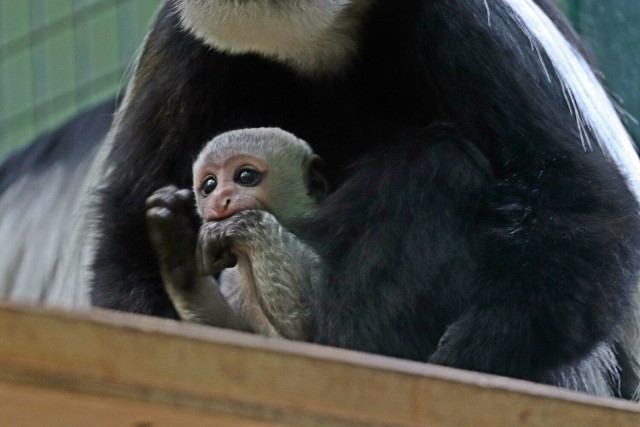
<point x="112" y="369"/>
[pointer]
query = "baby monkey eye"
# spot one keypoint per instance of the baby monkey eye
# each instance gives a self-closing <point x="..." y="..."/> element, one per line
<point x="248" y="177"/>
<point x="208" y="186"/>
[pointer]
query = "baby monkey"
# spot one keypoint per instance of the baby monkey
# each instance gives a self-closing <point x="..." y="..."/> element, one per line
<point x="249" y="186"/>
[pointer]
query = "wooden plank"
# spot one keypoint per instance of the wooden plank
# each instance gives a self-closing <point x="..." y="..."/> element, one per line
<point x="71" y="369"/>
<point x="32" y="406"/>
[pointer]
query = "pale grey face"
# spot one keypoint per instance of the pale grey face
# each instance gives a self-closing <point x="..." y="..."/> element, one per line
<point x="258" y="168"/>
<point x="312" y="36"/>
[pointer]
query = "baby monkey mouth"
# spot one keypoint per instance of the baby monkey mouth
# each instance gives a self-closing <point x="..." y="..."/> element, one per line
<point x="220" y="217"/>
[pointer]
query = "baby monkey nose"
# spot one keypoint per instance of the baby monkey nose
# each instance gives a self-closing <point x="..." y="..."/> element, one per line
<point x="223" y="204"/>
<point x="221" y="210"/>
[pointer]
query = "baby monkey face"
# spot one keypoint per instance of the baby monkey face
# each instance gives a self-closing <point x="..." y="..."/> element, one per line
<point x="237" y="183"/>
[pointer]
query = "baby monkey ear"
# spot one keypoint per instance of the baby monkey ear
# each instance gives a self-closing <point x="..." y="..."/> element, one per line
<point x="317" y="184"/>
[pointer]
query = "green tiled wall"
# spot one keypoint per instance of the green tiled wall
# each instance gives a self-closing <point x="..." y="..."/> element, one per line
<point x="58" y="57"/>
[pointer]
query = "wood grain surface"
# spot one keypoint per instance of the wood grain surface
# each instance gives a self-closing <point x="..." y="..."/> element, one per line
<point x="111" y="369"/>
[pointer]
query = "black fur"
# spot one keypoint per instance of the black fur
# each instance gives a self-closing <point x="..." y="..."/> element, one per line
<point x="472" y="230"/>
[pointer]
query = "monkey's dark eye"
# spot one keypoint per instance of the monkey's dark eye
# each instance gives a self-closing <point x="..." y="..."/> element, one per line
<point x="208" y="186"/>
<point x="248" y="177"/>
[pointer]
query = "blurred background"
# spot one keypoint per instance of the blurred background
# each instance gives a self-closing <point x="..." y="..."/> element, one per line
<point x="58" y="57"/>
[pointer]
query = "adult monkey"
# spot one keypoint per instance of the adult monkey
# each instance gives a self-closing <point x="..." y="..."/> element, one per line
<point x="504" y="240"/>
